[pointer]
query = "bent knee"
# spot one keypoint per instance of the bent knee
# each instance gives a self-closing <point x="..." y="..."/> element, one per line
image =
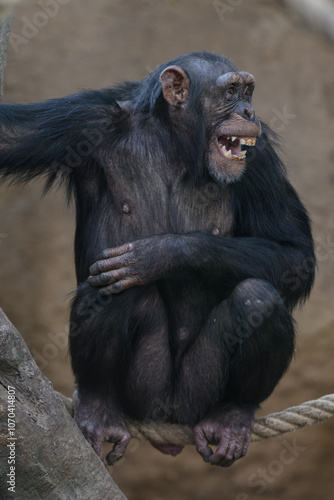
<point x="257" y="302"/>
<point x="260" y="316"/>
<point x="252" y="292"/>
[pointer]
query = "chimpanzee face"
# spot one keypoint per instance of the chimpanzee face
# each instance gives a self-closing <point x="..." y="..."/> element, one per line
<point x="231" y="123"/>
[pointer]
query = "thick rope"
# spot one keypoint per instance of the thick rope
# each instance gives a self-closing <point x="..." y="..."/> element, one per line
<point x="291" y="419"/>
<point x="294" y="418"/>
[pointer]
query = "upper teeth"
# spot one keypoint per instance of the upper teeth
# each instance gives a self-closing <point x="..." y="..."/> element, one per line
<point x="250" y="141"/>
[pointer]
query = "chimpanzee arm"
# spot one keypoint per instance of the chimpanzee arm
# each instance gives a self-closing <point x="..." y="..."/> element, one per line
<point x="51" y="138"/>
<point x="288" y="266"/>
<point x="217" y="262"/>
<point x="33" y="138"/>
<point x="279" y="249"/>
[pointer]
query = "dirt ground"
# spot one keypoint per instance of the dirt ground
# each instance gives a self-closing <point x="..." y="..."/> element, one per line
<point x="85" y="44"/>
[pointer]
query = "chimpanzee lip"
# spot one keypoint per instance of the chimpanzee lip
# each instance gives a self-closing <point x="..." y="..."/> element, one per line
<point x="230" y="146"/>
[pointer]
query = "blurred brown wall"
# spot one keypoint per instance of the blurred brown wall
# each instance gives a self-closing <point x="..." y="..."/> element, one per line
<point x="76" y="44"/>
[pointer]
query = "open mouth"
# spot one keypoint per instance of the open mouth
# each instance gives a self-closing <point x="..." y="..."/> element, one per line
<point x="230" y="146"/>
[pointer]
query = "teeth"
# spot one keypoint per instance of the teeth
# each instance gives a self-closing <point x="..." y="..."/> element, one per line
<point x="248" y="141"/>
<point x="239" y="157"/>
<point x="228" y="154"/>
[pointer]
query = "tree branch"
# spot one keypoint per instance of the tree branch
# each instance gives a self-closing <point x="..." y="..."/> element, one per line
<point x="51" y="457"/>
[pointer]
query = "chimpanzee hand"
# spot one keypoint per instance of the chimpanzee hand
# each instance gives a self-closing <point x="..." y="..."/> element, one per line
<point x="133" y="264"/>
<point x="231" y="430"/>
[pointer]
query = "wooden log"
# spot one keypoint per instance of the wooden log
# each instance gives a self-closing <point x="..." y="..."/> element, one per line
<point x="38" y="437"/>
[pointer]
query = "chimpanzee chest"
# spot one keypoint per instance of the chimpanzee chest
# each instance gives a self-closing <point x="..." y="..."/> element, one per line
<point x="145" y="207"/>
<point x="206" y="208"/>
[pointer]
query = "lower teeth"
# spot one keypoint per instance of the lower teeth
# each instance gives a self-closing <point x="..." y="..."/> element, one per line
<point x="229" y="154"/>
<point x="236" y="157"/>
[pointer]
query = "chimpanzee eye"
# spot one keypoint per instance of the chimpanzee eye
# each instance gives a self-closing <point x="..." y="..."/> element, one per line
<point x="231" y="90"/>
<point x="249" y="91"/>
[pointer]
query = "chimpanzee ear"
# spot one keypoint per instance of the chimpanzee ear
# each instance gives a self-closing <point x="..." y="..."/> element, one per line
<point x="175" y="85"/>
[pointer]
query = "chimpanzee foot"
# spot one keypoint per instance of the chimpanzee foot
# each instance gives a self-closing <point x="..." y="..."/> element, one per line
<point x="230" y="430"/>
<point x="100" y="423"/>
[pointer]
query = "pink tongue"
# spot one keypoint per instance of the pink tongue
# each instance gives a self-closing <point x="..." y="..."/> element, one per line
<point x="168" y="449"/>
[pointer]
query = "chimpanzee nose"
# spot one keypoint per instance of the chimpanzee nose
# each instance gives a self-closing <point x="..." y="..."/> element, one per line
<point x="249" y="112"/>
<point x="246" y="111"/>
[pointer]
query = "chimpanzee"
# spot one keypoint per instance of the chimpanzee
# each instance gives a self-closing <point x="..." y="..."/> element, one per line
<point x="191" y="249"/>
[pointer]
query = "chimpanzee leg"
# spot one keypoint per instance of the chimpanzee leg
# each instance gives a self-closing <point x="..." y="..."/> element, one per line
<point x="103" y="335"/>
<point x="260" y="340"/>
<point x="258" y="336"/>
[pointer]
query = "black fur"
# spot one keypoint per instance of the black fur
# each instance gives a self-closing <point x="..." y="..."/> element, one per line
<point x="180" y="347"/>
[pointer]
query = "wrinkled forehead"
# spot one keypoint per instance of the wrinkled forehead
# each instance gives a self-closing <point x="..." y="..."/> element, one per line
<point x="235" y="78"/>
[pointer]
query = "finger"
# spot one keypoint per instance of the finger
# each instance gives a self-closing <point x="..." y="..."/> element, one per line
<point x="220" y="452"/>
<point x="202" y="444"/>
<point x="224" y="455"/>
<point x="119" y="286"/>
<point x="95" y="441"/>
<point x="102" y="266"/>
<point x="104" y="279"/>
<point x="108" y="253"/>
<point x="112" y="458"/>
<point x="97" y="446"/>
<point x="119" y="448"/>
<point x="245" y="442"/>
